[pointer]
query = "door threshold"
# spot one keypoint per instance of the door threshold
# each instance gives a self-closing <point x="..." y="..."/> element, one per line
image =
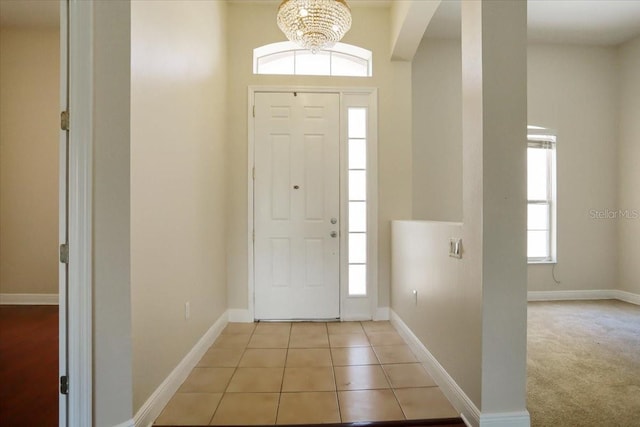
<point x="330" y="320"/>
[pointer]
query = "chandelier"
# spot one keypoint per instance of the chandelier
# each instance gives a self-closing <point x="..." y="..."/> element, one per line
<point x="314" y="24"/>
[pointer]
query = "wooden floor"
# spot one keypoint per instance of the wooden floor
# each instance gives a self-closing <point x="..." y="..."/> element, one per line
<point x="28" y="366"/>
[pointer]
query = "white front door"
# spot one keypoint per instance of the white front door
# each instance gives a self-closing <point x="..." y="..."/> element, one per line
<point x="297" y="206"/>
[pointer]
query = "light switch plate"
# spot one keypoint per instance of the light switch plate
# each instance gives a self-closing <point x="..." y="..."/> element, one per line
<point x="455" y="247"/>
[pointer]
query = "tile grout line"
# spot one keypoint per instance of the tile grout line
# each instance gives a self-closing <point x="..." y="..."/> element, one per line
<point x="284" y="370"/>
<point x="335" y="381"/>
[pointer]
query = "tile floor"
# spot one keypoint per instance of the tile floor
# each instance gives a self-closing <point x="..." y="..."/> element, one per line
<point x="306" y="373"/>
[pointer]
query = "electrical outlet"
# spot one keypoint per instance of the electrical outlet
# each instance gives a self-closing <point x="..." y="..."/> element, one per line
<point x="187" y="310"/>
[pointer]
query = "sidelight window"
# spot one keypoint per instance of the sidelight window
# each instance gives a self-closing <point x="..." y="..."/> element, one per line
<point x="357" y="195"/>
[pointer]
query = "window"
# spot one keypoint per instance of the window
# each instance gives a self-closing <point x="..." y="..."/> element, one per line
<point x="357" y="195"/>
<point x="541" y="195"/>
<point x="286" y="58"/>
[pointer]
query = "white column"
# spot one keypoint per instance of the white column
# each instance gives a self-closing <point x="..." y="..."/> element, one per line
<point x="494" y="77"/>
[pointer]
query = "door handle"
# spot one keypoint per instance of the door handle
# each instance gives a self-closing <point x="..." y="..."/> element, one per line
<point x="334" y="234"/>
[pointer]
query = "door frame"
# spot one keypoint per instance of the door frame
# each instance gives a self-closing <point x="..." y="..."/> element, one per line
<point x="76" y="39"/>
<point x="351" y="307"/>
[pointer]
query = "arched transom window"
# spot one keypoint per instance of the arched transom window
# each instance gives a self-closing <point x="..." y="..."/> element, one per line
<point x="289" y="59"/>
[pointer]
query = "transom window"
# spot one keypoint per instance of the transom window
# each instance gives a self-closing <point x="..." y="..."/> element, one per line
<point x="287" y="58"/>
<point x="541" y="195"/>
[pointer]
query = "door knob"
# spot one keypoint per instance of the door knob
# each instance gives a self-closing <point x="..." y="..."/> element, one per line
<point x="334" y="234"/>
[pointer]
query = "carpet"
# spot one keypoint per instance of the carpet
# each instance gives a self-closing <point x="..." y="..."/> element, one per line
<point x="583" y="363"/>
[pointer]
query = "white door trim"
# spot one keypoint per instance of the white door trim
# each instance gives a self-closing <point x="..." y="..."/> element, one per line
<point x="61" y="298"/>
<point x="371" y="301"/>
<point x="79" y="298"/>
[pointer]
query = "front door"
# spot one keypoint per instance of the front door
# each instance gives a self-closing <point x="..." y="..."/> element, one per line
<point x="297" y="206"/>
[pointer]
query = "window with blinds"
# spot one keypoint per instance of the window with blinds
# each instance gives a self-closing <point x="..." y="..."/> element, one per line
<point x="541" y="195"/>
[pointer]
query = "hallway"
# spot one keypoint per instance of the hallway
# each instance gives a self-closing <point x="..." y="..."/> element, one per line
<point x="306" y="373"/>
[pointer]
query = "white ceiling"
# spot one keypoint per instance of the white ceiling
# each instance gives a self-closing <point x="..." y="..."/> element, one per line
<point x="594" y="22"/>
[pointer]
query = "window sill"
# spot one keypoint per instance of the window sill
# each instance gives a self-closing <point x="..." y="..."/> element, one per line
<point x="542" y="262"/>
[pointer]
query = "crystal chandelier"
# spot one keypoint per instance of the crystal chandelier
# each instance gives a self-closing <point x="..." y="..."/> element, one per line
<point x="314" y="24"/>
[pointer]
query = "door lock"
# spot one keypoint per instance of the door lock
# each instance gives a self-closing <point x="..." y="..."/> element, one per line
<point x="334" y="221"/>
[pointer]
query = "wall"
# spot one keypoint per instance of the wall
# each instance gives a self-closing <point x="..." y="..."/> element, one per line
<point x="178" y="184"/>
<point x="571" y="89"/>
<point x="421" y="262"/>
<point x="29" y="132"/>
<point x="437" y="131"/>
<point x="629" y="172"/>
<point x="247" y="30"/>
<point x="112" y="395"/>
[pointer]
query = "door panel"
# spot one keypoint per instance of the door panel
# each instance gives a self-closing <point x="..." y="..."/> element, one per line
<point x="296" y="196"/>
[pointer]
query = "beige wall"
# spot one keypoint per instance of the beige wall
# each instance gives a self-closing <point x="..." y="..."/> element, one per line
<point x="112" y="394"/>
<point x="437" y="131"/>
<point x="444" y="315"/>
<point x="571" y="89"/>
<point x="629" y="170"/>
<point x="29" y="132"/>
<point x="178" y="184"/>
<point x="253" y="25"/>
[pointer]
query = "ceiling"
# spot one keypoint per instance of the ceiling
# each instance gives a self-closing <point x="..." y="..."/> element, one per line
<point x="592" y="22"/>
<point x="595" y="22"/>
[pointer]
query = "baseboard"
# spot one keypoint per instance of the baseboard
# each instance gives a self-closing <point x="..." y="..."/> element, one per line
<point x="151" y="409"/>
<point x="382" y="313"/>
<point x="468" y="410"/>
<point x="627" y="296"/>
<point x="239" y="315"/>
<point x="584" y="295"/>
<point x="505" y="419"/>
<point x="28" y="299"/>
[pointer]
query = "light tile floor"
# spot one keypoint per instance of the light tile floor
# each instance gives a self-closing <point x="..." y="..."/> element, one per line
<point x="306" y="373"/>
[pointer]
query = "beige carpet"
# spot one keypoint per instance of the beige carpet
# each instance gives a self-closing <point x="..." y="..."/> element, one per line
<point x="584" y="364"/>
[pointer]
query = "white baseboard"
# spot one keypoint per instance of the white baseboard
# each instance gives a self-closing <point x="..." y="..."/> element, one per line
<point x="239" y="315"/>
<point x="151" y="409"/>
<point x="584" y="295"/>
<point x="382" y="313"/>
<point x="569" y="295"/>
<point x="506" y="419"/>
<point x="467" y="409"/>
<point x="627" y="297"/>
<point x="28" y="299"/>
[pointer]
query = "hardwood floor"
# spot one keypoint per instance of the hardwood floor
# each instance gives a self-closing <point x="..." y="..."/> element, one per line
<point x="28" y="366"/>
